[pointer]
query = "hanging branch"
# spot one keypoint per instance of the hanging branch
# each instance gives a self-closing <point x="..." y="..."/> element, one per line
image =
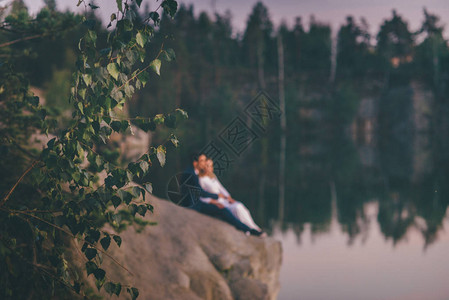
<point x="18" y="181"/>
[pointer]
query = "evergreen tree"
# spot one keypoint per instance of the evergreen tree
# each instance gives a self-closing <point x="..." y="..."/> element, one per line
<point x="394" y="40"/>
<point x="352" y="49"/>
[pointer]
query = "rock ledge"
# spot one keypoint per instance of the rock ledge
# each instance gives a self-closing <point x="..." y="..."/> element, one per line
<point x="188" y="255"/>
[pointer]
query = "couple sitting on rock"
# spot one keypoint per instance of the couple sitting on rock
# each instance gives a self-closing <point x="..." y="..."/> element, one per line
<point x="203" y="192"/>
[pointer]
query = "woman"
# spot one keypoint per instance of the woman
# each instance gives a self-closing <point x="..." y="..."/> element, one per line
<point x="210" y="183"/>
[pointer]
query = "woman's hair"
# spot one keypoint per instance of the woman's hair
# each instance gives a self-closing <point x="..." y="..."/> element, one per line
<point x="213" y="174"/>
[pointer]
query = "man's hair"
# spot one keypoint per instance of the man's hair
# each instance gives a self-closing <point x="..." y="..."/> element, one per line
<point x="196" y="156"/>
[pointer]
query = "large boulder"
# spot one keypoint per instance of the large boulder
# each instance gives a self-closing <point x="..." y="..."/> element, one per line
<point x="188" y="255"/>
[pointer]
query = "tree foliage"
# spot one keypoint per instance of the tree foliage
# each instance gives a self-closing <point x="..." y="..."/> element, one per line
<point x="395" y="39"/>
<point x="52" y="197"/>
<point x="353" y="48"/>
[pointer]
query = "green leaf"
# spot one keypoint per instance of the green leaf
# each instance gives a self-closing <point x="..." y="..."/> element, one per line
<point x="113" y="69"/>
<point x="113" y="17"/>
<point x="90" y="253"/>
<point x="130" y="14"/>
<point x="82" y="93"/>
<point x="132" y="57"/>
<point x="129" y="90"/>
<point x="34" y="101"/>
<point x="113" y="288"/>
<point x="161" y="155"/>
<point x="119" y="5"/>
<point x="84" y="247"/>
<point x="144" y="166"/>
<point x="99" y="274"/>
<point x="155" y="65"/>
<point x="127" y="25"/>
<point x="116" y="125"/>
<point x="124" y="125"/>
<point x="109" y="287"/>
<point x="51" y="143"/>
<point x="170" y="7"/>
<point x="79" y="150"/>
<point x="118" y="289"/>
<point x="98" y="161"/>
<point x="125" y="196"/>
<point x="141" y="39"/>
<point x="136" y="191"/>
<point x="91" y="37"/>
<point x="145" y="157"/>
<point x="159" y="119"/>
<point x="76" y="176"/>
<point x="96" y="126"/>
<point x="116" y="201"/>
<point x="129" y="175"/>
<point x="107" y="105"/>
<point x="182" y="113"/>
<point x="143" y="77"/>
<point x="148" y="187"/>
<point x="134" y="293"/>
<point x="168" y="55"/>
<point x="105" y="242"/>
<point x="99" y="283"/>
<point x="138" y="84"/>
<point x="92" y="236"/>
<point x="174" y="140"/>
<point x="42" y="113"/>
<point x="117" y="218"/>
<point x="87" y="79"/>
<point x="91" y="267"/>
<point x="138" y="2"/>
<point x="155" y="17"/>
<point x="142" y="210"/>
<point x="118" y="240"/>
<point x="117" y="95"/>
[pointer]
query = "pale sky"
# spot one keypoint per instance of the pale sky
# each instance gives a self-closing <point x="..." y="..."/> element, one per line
<point x="327" y="11"/>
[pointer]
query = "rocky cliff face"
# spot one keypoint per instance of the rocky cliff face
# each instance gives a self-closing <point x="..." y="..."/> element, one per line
<point x="188" y="255"/>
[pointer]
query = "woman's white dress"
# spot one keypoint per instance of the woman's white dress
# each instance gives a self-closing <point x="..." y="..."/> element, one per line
<point x="213" y="185"/>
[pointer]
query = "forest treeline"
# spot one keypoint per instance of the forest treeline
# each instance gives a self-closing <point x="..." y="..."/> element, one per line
<point x="212" y="55"/>
<point x="218" y="66"/>
<point x="219" y="69"/>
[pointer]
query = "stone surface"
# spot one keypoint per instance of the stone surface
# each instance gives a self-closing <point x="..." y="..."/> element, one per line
<point x="188" y="255"/>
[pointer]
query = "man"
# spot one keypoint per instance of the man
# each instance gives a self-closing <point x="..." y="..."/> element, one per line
<point x="190" y="187"/>
<point x="192" y="191"/>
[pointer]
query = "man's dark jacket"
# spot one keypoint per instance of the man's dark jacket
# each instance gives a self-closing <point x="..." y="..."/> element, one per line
<point x="191" y="189"/>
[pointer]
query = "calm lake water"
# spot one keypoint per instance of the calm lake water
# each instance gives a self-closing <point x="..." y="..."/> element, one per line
<point x="361" y="220"/>
<point x="365" y="221"/>
<point x="325" y="266"/>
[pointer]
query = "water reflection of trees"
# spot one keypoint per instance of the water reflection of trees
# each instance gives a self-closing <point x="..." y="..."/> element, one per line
<point x="410" y="194"/>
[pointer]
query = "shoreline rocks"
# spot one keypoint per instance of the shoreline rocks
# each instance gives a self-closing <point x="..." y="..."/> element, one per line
<point x="188" y="255"/>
